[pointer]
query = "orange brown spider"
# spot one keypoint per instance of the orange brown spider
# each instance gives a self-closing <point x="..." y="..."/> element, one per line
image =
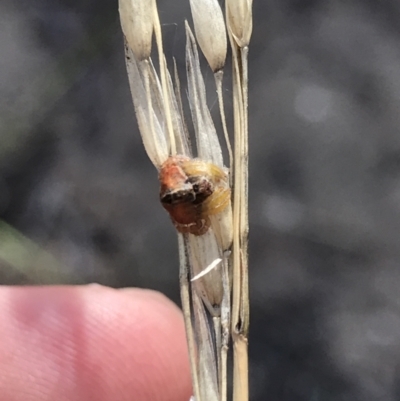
<point x="192" y="190"/>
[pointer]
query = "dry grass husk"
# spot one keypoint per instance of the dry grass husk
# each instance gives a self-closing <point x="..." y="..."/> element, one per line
<point x="213" y="265"/>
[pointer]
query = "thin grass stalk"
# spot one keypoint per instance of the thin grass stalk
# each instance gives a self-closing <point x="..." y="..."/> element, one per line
<point x="239" y="338"/>
<point x="240" y="305"/>
<point x="164" y="73"/>
<point x="225" y="328"/>
<point x="144" y="65"/>
<point x="218" y="83"/>
<point x="187" y="315"/>
<point x="239" y="22"/>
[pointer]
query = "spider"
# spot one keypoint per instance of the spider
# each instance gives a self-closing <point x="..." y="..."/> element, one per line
<point x="191" y="191"/>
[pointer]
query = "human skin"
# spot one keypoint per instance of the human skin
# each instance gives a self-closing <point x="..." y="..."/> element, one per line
<point x="91" y="343"/>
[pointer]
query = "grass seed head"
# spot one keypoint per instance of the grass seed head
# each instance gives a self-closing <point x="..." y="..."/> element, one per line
<point x="239" y="20"/>
<point x="210" y="31"/>
<point x="137" y="25"/>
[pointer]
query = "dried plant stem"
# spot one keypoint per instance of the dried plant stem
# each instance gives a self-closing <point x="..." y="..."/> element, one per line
<point x="218" y="83"/>
<point x="144" y="67"/>
<point x="240" y="297"/>
<point x="185" y="299"/>
<point x="218" y="339"/>
<point x="164" y="85"/>
<point x="225" y="329"/>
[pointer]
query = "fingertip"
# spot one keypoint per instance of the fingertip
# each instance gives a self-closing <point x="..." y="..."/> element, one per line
<point x="92" y="342"/>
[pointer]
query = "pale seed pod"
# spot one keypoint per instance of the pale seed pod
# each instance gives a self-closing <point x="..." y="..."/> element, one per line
<point x="210" y="31"/>
<point x="137" y="25"/>
<point x="239" y="20"/>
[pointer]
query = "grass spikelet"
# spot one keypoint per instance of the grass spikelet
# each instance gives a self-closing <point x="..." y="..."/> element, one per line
<point x="206" y="200"/>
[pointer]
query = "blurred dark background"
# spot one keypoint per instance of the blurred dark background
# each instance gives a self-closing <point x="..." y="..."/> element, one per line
<point x="79" y="197"/>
